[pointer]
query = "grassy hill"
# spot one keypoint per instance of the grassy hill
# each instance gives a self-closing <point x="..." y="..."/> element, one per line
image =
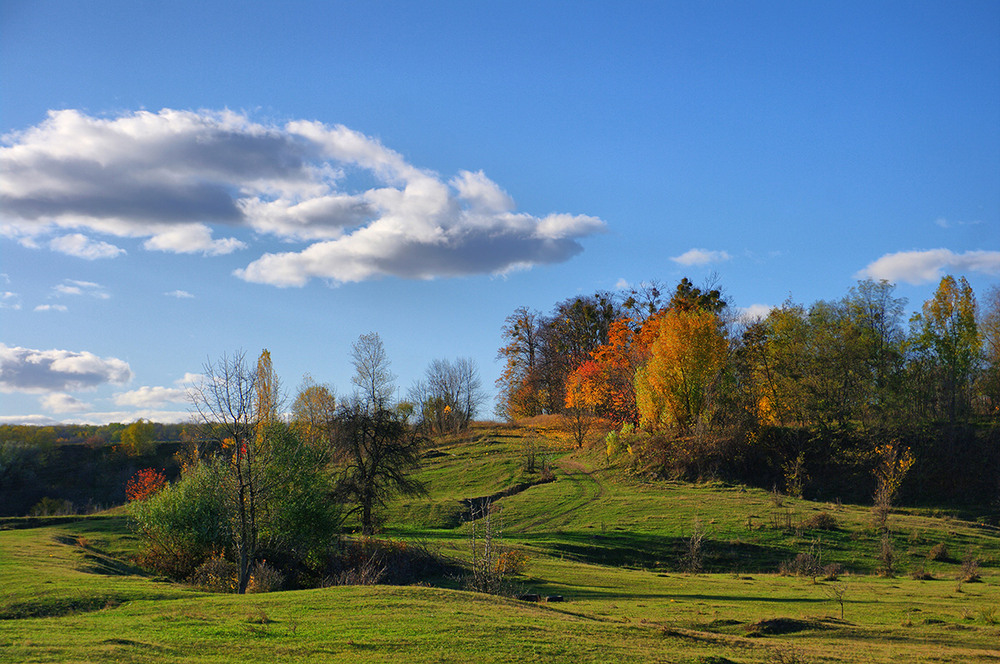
<point x="617" y="548"/>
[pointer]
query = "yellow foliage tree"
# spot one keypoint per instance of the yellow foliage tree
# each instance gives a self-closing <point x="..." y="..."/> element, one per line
<point x="674" y="387"/>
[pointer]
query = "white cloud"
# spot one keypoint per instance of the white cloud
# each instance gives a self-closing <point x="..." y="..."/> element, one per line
<point x="101" y="418"/>
<point x="946" y="223"/>
<point x="190" y="379"/>
<point x="756" y="311"/>
<point x="9" y="300"/>
<point x="179" y="294"/>
<point x="31" y="420"/>
<point x="60" y="402"/>
<point x="81" y="246"/>
<point x="149" y="397"/>
<point x="39" y="371"/>
<point x="51" y="307"/>
<point x="621" y="284"/>
<point x="175" y="178"/>
<point x="192" y="239"/>
<point x="701" y="257"/>
<point x="72" y="287"/>
<point x="917" y="267"/>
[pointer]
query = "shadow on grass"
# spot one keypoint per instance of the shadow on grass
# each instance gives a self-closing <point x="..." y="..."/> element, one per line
<point x="656" y="552"/>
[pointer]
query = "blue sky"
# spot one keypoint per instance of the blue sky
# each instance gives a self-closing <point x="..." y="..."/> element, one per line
<point x="183" y="179"/>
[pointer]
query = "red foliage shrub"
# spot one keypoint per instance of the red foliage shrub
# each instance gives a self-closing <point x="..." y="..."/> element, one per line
<point x="144" y="484"/>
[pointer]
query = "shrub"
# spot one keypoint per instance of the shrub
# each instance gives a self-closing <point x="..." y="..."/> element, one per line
<point x="144" y="484"/>
<point x="939" y="552"/>
<point x="183" y="524"/>
<point x="969" y="572"/>
<point x="821" y="521"/>
<point x="216" y="575"/>
<point x="265" y="579"/>
<point x="51" y="507"/>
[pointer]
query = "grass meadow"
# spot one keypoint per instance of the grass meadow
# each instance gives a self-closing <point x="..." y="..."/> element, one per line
<point x="649" y="571"/>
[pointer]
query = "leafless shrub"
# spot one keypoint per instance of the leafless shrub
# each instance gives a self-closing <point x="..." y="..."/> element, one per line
<point x="216" y="575"/>
<point x="265" y="579"/>
<point x="832" y="571"/>
<point x="493" y="565"/>
<point x="886" y="557"/>
<point x="694" y="557"/>
<point x="969" y="571"/>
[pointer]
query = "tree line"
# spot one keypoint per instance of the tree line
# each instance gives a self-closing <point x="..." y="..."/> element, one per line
<point x="702" y="390"/>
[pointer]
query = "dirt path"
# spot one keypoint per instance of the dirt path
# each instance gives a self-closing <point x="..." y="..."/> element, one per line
<point x="585" y="487"/>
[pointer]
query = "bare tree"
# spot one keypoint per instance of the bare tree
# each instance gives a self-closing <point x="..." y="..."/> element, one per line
<point x="449" y="396"/>
<point x="235" y="405"/>
<point x="371" y="371"/>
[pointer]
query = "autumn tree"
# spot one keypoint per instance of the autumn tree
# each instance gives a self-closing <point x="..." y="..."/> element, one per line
<point x="518" y="384"/>
<point x="585" y="389"/>
<point x="314" y="412"/>
<point x="945" y="337"/>
<point x="989" y="327"/>
<point x="137" y="438"/>
<point x="674" y="388"/>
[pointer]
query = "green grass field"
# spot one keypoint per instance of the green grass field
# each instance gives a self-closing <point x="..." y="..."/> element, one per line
<point x="615" y="547"/>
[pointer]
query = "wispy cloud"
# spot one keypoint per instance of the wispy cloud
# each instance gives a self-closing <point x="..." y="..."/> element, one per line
<point x="51" y="307"/>
<point x="39" y="371"/>
<point x="10" y="300"/>
<point x="148" y="175"/>
<point x="918" y="267"/>
<point x="73" y="287"/>
<point x="179" y="294"/>
<point x="947" y="223"/>
<point x="82" y="246"/>
<point x="701" y="257"/>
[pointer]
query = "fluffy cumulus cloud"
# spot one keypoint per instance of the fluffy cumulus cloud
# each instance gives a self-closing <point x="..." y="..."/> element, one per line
<point x="918" y="267"/>
<point x="210" y="182"/>
<point x="151" y="397"/>
<point x="701" y="257"/>
<point x="60" y="402"/>
<point x="81" y="246"/>
<point x="30" y="370"/>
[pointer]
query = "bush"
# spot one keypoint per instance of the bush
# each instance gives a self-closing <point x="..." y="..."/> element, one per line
<point x="821" y="521"/>
<point x="51" y="507"/>
<point x="939" y="552"/>
<point x="216" y="575"/>
<point x="265" y="579"/>
<point x="183" y="524"/>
